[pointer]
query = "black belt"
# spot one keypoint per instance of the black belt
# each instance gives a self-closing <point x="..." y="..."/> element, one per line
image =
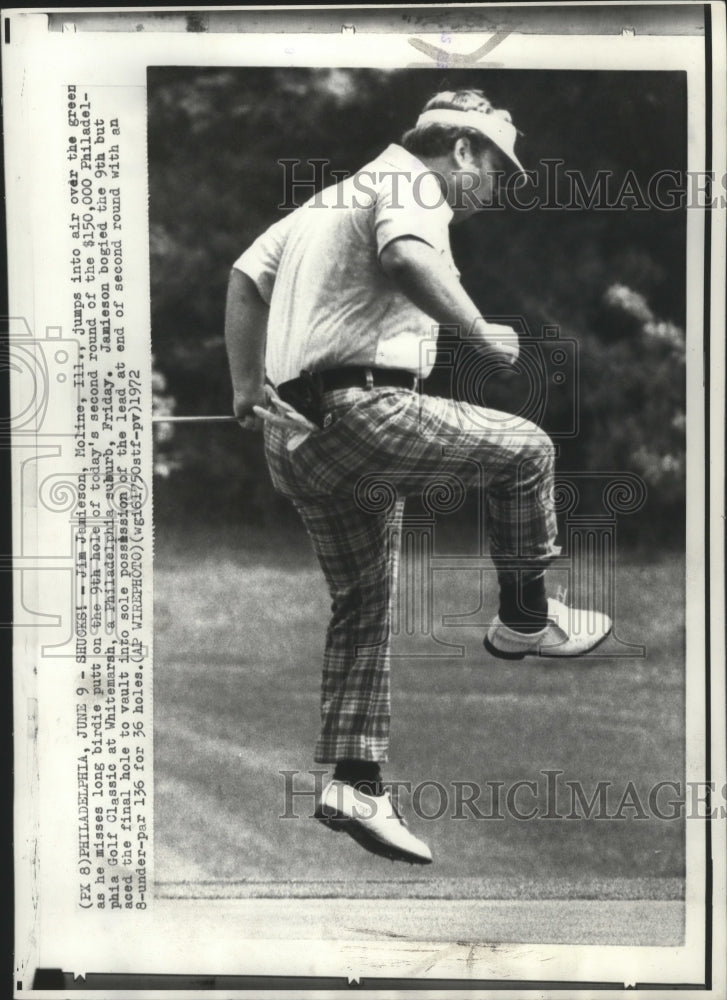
<point x="304" y="393"/>
<point x="351" y="378"/>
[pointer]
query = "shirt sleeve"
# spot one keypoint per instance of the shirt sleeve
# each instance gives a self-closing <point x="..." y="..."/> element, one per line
<point x="261" y="260"/>
<point x="411" y="205"/>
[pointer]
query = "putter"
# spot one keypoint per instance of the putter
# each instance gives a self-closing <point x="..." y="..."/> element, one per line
<point x="214" y="419"/>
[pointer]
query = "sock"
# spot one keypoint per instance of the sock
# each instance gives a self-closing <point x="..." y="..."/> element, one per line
<point x="523" y="604"/>
<point x="362" y="774"/>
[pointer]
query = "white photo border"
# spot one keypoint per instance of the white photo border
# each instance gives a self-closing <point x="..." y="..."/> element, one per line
<point x="184" y="938"/>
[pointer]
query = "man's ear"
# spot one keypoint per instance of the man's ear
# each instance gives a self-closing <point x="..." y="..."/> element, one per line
<point x="462" y="152"/>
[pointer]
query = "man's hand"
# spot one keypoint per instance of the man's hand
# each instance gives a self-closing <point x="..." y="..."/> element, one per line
<point x="499" y="341"/>
<point x="259" y="405"/>
<point x="245" y="399"/>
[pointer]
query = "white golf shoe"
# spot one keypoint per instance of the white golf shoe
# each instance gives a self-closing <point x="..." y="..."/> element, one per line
<point x="569" y="632"/>
<point x="372" y="821"/>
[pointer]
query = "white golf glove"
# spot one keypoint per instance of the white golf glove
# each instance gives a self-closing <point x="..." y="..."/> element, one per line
<point x="284" y="415"/>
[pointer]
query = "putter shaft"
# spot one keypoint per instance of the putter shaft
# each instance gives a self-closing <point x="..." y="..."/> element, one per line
<point x="202" y="419"/>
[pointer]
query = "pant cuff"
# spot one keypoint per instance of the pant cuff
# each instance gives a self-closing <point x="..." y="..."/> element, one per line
<point x="329" y="751"/>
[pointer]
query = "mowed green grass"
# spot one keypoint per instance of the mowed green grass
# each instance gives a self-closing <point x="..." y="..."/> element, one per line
<point x="239" y="633"/>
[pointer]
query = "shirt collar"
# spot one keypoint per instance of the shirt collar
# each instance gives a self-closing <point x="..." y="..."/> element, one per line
<point x="401" y="159"/>
<point x="397" y="156"/>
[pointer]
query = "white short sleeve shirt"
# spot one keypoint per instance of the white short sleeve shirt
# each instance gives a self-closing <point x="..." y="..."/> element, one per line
<point x="331" y="304"/>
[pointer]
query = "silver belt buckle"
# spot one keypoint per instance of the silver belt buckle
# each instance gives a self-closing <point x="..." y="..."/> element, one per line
<point x="369" y="379"/>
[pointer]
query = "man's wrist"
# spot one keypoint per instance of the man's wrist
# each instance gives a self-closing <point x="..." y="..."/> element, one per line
<point x="248" y="394"/>
<point x="248" y="385"/>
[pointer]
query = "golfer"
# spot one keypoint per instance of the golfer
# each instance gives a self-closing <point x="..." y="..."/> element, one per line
<point x="330" y="322"/>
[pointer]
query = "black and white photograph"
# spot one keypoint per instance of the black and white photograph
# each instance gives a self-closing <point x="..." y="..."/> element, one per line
<point x="476" y="736"/>
<point x="393" y="354"/>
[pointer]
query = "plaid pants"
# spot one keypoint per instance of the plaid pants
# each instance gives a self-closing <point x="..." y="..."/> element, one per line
<point x="348" y="483"/>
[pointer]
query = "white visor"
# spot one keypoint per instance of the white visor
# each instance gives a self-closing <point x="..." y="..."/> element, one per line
<point x="501" y="131"/>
